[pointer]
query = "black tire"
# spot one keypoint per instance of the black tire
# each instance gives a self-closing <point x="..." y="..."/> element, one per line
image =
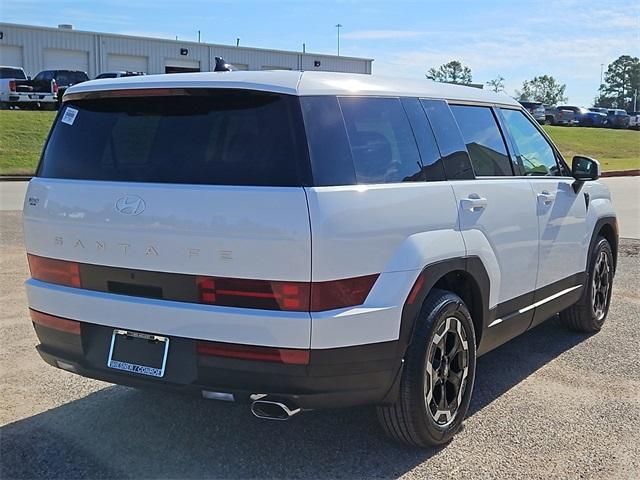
<point x="589" y="314"/>
<point x="548" y="120"/>
<point x="411" y="419"/>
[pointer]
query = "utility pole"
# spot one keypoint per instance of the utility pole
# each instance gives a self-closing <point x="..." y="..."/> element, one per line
<point x="338" y="26"/>
<point x="601" y="72"/>
<point x="198" y="36"/>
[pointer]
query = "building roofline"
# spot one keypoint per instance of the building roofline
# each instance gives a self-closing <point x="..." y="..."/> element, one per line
<point x="183" y="42"/>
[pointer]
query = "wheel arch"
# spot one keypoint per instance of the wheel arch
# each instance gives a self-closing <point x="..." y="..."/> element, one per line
<point x="465" y="276"/>
<point x="606" y="227"/>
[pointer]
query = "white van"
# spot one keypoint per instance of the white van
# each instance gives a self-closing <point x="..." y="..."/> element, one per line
<point x="307" y="240"/>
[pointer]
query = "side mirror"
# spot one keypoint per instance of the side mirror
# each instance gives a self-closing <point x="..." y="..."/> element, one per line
<point x="585" y="168"/>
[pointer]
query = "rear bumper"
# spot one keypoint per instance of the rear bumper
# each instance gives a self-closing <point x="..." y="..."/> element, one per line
<point x="337" y="377"/>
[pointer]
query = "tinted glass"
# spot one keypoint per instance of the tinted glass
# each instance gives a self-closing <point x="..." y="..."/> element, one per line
<point x="79" y="77"/>
<point x="483" y="139"/>
<point x="433" y="168"/>
<point x="382" y="144"/>
<point x="47" y="75"/>
<point x="16" y="73"/>
<point x="534" y="152"/>
<point x="329" y="150"/>
<point x="64" y="78"/>
<point x="107" y="75"/>
<point x="222" y="137"/>
<point x="454" y="154"/>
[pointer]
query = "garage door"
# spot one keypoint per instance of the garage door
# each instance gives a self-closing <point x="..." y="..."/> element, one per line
<point x="10" y="56"/>
<point x="173" y="65"/>
<point x="58" y="59"/>
<point x="129" y="63"/>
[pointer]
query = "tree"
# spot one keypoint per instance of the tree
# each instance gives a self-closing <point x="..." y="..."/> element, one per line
<point x="621" y="83"/>
<point x="497" y="84"/>
<point x="452" y="72"/>
<point x="543" y="89"/>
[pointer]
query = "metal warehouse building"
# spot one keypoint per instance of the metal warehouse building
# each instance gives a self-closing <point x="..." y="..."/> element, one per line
<point x="42" y="48"/>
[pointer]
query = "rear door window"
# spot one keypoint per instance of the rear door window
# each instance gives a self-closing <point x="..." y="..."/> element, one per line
<point x="484" y="141"/>
<point x="382" y="143"/>
<point x="207" y="137"/>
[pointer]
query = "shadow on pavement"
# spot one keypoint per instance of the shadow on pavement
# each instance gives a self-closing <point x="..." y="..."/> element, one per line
<point x="120" y="432"/>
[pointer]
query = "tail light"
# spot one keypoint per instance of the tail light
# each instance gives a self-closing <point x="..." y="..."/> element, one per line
<point x="263" y="294"/>
<point x="54" y="86"/>
<point x="50" y="270"/>
<point x="291" y="356"/>
<point x="238" y="292"/>
<point x="341" y="293"/>
<point x="291" y="296"/>
<point x="12" y="85"/>
<point x="57" y="323"/>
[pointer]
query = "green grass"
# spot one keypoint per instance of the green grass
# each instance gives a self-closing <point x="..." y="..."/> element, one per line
<point x="23" y="133"/>
<point x="615" y="149"/>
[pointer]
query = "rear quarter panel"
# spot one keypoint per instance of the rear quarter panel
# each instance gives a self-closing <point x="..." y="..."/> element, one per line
<point x="394" y="230"/>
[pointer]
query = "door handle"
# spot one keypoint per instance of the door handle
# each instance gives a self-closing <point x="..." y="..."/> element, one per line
<point x="546" y="198"/>
<point x="473" y="203"/>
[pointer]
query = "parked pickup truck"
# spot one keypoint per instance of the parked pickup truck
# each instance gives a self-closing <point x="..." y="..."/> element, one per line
<point x="18" y="90"/>
<point x="617" y="118"/>
<point x="62" y="79"/>
<point x="559" y="116"/>
<point x="585" y="117"/>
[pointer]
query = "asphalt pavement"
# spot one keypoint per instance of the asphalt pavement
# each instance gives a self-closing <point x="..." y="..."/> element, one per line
<point x="549" y="404"/>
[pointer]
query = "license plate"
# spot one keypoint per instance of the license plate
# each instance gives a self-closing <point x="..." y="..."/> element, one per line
<point x="139" y="353"/>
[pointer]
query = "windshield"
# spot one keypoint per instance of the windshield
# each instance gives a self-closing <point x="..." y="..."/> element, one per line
<point x="16" y="73"/>
<point x="220" y="137"/>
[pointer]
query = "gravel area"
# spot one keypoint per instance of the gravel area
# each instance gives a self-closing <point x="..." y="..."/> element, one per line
<point x="550" y="403"/>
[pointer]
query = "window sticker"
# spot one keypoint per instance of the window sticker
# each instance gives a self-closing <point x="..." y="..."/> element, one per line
<point x="69" y="116"/>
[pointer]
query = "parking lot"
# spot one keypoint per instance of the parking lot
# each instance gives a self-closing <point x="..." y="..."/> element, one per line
<point x="549" y="403"/>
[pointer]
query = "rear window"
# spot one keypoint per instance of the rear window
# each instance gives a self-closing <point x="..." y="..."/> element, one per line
<point x="16" y="73"/>
<point x="212" y="137"/>
<point x="65" y="78"/>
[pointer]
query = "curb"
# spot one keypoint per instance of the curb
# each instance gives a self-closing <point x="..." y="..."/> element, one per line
<point x="15" y="178"/>
<point x="621" y="173"/>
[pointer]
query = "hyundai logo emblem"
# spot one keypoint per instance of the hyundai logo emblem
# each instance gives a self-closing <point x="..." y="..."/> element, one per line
<point x="130" y="205"/>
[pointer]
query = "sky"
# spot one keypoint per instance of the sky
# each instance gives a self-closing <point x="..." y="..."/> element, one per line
<point x="516" y="39"/>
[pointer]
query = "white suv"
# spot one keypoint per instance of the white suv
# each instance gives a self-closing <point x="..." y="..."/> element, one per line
<point x="307" y="240"/>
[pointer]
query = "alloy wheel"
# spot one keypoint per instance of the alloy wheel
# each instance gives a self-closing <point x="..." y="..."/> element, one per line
<point x="446" y="370"/>
<point x="600" y="285"/>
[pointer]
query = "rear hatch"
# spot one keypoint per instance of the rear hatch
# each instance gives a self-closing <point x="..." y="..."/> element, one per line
<point x="194" y="182"/>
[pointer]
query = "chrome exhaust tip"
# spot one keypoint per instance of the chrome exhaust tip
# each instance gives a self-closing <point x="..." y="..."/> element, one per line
<point x="273" y="410"/>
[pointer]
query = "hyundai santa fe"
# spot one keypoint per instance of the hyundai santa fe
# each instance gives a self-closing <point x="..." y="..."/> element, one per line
<point x="300" y="241"/>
